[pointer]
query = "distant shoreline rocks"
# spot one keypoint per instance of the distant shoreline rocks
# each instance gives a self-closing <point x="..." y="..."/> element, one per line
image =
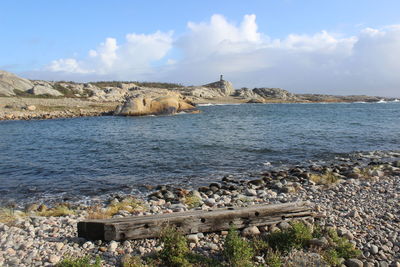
<point x="108" y="94"/>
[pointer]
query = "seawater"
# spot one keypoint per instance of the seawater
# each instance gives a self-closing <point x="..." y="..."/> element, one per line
<point x="98" y="155"/>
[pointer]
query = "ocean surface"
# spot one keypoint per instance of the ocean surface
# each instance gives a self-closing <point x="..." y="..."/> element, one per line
<point x="98" y="155"/>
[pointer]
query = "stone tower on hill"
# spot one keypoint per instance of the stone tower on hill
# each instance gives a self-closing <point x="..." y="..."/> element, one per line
<point x="225" y="88"/>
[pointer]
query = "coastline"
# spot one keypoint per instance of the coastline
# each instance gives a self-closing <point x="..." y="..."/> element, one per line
<point x="361" y="204"/>
<point x="37" y="108"/>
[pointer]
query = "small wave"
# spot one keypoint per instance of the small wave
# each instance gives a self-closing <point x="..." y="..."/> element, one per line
<point x="219" y="104"/>
<point x="205" y="105"/>
<point x="382" y="101"/>
<point x="396" y="101"/>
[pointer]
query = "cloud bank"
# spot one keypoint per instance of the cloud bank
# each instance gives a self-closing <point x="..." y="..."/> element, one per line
<point x="324" y="62"/>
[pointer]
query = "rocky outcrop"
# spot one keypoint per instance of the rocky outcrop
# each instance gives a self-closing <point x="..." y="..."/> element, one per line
<point x="10" y="82"/>
<point x="338" y="98"/>
<point x="246" y="93"/>
<point x="223" y="87"/>
<point x="274" y="93"/>
<point x="139" y="106"/>
<point x="43" y="88"/>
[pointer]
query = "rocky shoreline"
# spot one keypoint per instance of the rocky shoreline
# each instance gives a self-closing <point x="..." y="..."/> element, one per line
<point x="359" y="197"/>
<point x="23" y="99"/>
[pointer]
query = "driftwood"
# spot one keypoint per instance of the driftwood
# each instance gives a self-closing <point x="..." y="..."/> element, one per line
<point x="197" y="221"/>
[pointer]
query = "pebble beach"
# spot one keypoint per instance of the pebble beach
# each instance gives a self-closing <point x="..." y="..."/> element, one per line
<point x="362" y="205"/>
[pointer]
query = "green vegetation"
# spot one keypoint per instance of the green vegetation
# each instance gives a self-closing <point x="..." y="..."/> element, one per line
<point x="297" y="236"/>
<point x="340" y="248"/>
<point x="80" y="262"/>
<point x="274" y="258"/>
<point x="237" y="251"/>
<point x="175" y="249"/>
<point x="132" y="261"/>
<point x="26" y="94"/>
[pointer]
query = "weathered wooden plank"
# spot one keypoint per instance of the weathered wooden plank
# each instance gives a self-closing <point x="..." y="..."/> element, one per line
<point x="192" y="221"/>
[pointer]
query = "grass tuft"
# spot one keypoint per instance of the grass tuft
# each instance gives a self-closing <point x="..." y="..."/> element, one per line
<point x="57" y="211"/>
<point x="192" y="201"/>
<point x="324" y="179"/>
<point x="80" y="262"/>
<point x="129" y="204"/>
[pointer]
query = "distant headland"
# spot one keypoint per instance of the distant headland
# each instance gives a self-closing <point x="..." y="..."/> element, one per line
<point x="36" y="99"/>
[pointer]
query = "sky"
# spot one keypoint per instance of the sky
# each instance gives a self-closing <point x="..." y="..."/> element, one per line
<point x="309" y="46"/>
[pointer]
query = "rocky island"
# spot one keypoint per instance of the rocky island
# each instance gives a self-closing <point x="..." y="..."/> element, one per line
<point x="33" y="99"/>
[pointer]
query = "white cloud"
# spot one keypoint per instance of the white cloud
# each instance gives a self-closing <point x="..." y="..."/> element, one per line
<point x="124" y="61"/>
<point x="323" y="62"/>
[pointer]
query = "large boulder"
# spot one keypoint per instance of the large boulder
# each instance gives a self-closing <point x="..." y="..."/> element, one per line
<point x="44" y="89"/>
<point x="147" y="106"/>
<point x="10" y="82"/>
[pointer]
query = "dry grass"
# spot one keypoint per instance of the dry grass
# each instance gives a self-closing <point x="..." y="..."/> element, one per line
<point x="366" y="172"/>
<point x="129" y="204"/>
<point x="58" y="211"/>
<point x="324" y="179"/>
<point x="8" y="215"/>
<point x="192" y="201"/>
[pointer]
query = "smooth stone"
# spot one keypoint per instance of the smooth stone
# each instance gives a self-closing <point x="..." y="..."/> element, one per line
<point x="112" y="246"/>
<point x="194" y="238"/>
<point x="374" y="249"/>
<point x="250" y="192"/>
<point x="284" y="225"/>
<point x="54" y="258"/>
<point x="353" y="263"/>
<point x="250" y="231"/>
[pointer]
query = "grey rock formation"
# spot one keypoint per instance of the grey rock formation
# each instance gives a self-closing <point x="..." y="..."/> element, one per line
<point x="44" y="89"/>
<point x="10" y="82"/>
<point x="274" y="93"/>
<point x="246" y="93"/>
<point x="223" y="87"/>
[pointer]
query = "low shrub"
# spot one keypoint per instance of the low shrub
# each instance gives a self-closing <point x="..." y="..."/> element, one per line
<point x="297" y="236"/>
<point x="237" y="251"/>
<point x="176" y="250"/>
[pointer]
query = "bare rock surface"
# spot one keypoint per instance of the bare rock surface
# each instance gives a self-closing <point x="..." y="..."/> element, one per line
<point x="146" y="106"/>
<point x="10" y="82"/>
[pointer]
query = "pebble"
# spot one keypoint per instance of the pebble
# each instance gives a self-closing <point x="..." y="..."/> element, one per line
<point x="251" y="231"/>
<point x="374" y="249"/>
<point x="353" y="263"/>
<point x="54" y="259"/>
<point x="112" y="246"/>
<point x="194" y="238"/>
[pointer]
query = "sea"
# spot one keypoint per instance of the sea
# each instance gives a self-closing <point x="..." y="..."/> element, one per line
<point x="95" y="156"/>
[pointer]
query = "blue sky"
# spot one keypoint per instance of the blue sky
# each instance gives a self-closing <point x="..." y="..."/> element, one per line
<point x="285" y="43"/>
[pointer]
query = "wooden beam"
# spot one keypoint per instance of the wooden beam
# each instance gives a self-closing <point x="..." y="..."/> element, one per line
<point x="198" y="221"/>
